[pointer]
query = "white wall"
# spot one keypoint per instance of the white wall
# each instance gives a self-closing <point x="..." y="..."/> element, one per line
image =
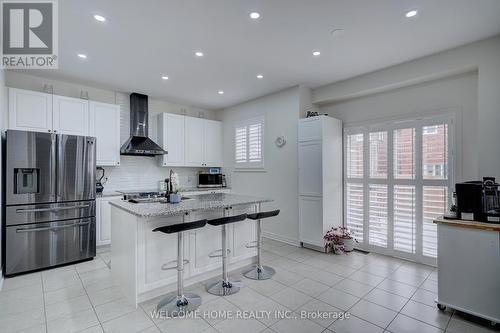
<point x="454" y="94"/>
<point x="483" y="56"/>
<point x="134" y="172"/>
<point x="279" y="181"/>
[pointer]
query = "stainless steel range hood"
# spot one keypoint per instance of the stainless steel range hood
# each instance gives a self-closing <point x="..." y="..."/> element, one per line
<point x="139" y="144"/>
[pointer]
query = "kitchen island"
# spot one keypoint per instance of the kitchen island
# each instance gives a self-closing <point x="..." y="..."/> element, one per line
<point x="137" y="253"/>
<point x="469" y="267"/>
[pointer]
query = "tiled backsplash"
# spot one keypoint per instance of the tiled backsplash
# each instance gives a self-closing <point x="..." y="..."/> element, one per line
<point x="144" y="173"/>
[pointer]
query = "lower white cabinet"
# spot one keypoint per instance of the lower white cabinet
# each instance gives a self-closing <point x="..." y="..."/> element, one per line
<point x="103" y="220"/>
<point x="105" y="126"/>
<point x="311" y="228"/>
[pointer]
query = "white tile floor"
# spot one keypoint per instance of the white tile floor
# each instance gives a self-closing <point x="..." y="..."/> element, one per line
<point x="379" y="293"/>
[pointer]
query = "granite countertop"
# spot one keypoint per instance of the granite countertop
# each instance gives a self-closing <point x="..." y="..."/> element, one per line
<point x="469" y="224"/>
<point x="197" y="203"/>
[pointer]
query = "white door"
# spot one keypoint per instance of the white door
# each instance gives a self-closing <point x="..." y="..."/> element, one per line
<point x="213" y="143"/>
<point x="310" y="168"/>
<point x="70" y="115"/>
<point x="172" y="139"/>
<point x="194" y="141"/>
<point x="105" y="126"/>
<point x="30" y="110"/>
<point x="103" y="220"/>
<point x="311" y="220"/>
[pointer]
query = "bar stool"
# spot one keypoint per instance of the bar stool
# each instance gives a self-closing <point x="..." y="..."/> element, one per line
<point x="224" y="287"/>
<point x="259" y="272"/>
<point x="182" y="302"/>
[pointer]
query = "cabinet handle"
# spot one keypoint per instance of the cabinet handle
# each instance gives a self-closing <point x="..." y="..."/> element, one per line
<point x="55" y="131"/>
<point x="49" y="131"/>
<point x="118" y="163"/>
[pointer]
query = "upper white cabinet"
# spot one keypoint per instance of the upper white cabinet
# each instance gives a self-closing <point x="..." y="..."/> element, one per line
<point x="190" y="141"/>
<point x="171" y="134"/>
<point x="70" y="115"/>
<point x="194" y="141"/>
<point x="105" y="126"/>
<point x="42" y="112"/>
<point x="30" y="110"/>
<point x="212" y="143"/>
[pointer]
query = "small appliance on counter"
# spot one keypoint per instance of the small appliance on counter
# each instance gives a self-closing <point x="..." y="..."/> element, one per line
<point x="211" y="180"/>
<point x="99" y="184"/>
<point x="478" y="200"/>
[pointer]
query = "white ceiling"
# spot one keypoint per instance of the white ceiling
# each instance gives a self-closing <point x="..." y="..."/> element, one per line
<point x="143" y="40"/>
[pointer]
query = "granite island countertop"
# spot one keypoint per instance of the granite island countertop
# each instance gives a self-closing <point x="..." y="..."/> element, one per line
<point x="196" y="203"/>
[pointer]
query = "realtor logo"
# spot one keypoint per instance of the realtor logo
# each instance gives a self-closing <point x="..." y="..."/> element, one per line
<point x="29" y="34"/>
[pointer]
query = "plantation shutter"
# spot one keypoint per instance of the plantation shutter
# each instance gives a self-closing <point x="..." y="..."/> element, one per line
<point x="248" y="144"/>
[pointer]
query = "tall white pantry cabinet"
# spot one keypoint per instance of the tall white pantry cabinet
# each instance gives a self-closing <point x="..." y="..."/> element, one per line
<point x="320" y="178"/>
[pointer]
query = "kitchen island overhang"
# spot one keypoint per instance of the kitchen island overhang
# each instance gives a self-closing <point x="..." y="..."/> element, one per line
<point x="137" y="253"/>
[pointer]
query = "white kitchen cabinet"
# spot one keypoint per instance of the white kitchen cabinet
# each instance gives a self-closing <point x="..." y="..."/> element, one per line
<point x="171" y="137"/>
<point x="30" y="110"/>
<point x="105" y="126"/>
<point x="70" y="115"/>
<point x="320" y="178"/>
<point x="212" y="150"/>
<point x="190" y="141"/>
<point x="103" y="220"/>
<point x="194" y="141"/>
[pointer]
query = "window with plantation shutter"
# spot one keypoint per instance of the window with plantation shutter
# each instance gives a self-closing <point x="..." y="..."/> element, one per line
<point x="398" y="178"/>
<point x="248" y="144"/>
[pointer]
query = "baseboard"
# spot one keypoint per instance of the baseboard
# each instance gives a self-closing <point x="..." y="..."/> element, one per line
<point x="281" y="238"/>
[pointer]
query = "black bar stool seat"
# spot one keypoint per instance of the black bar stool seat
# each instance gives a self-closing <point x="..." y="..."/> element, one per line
<point x="263" y="215"/>
<point x="182" y="302"/>
<point x="224" y="287"/>
<point x="172" y="229"/>
<point x="259" y="272"/>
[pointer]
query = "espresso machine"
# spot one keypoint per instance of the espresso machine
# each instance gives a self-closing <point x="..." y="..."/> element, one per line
<point x="478" y="200"/>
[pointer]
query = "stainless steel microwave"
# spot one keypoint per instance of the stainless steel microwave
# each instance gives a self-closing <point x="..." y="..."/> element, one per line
<point x="211" y="180"/>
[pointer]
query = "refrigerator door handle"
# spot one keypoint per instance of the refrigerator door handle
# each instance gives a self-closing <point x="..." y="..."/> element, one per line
<point x="50" y="209"/>
<point x="52" y="228"/>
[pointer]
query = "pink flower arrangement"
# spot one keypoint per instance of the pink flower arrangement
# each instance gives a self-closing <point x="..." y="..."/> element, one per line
<point x="334" y="239"/>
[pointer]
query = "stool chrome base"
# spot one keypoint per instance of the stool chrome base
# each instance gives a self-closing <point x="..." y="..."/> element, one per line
<point x="178" y="305"/>
<point x="224" y="288"/>
<point x="259" y="273"/>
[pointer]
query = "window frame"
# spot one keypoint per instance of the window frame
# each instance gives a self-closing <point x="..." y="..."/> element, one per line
<point x="250" y="166"/>
<point x="418" y="181"/>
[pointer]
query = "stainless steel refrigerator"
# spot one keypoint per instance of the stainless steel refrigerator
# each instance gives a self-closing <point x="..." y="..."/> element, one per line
<point x="49" y="186"/>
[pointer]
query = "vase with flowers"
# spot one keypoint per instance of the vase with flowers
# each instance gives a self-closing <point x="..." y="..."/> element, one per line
<point x="339" y="240"/>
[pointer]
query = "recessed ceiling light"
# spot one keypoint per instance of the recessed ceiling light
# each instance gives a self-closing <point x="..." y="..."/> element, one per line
<point x="254" y="15"/>
<point x="260" y="76"/>
<point x="221" y="92"/>
<point x="81" y="55"/>
<point x="411" y="13"/>
<point x="164" y="77"/>
<point x="198" y="54"/>
<point x="100" y="18"/>
<point x="316" y="53"/>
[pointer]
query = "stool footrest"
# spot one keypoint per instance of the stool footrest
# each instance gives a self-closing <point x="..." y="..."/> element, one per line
<point x="252" y="245"/>
<point x="169" y="265"/>
<point x="215" y="255"/>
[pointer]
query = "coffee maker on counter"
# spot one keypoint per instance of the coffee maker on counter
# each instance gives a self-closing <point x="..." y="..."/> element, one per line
<point x="478" y="200"/>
